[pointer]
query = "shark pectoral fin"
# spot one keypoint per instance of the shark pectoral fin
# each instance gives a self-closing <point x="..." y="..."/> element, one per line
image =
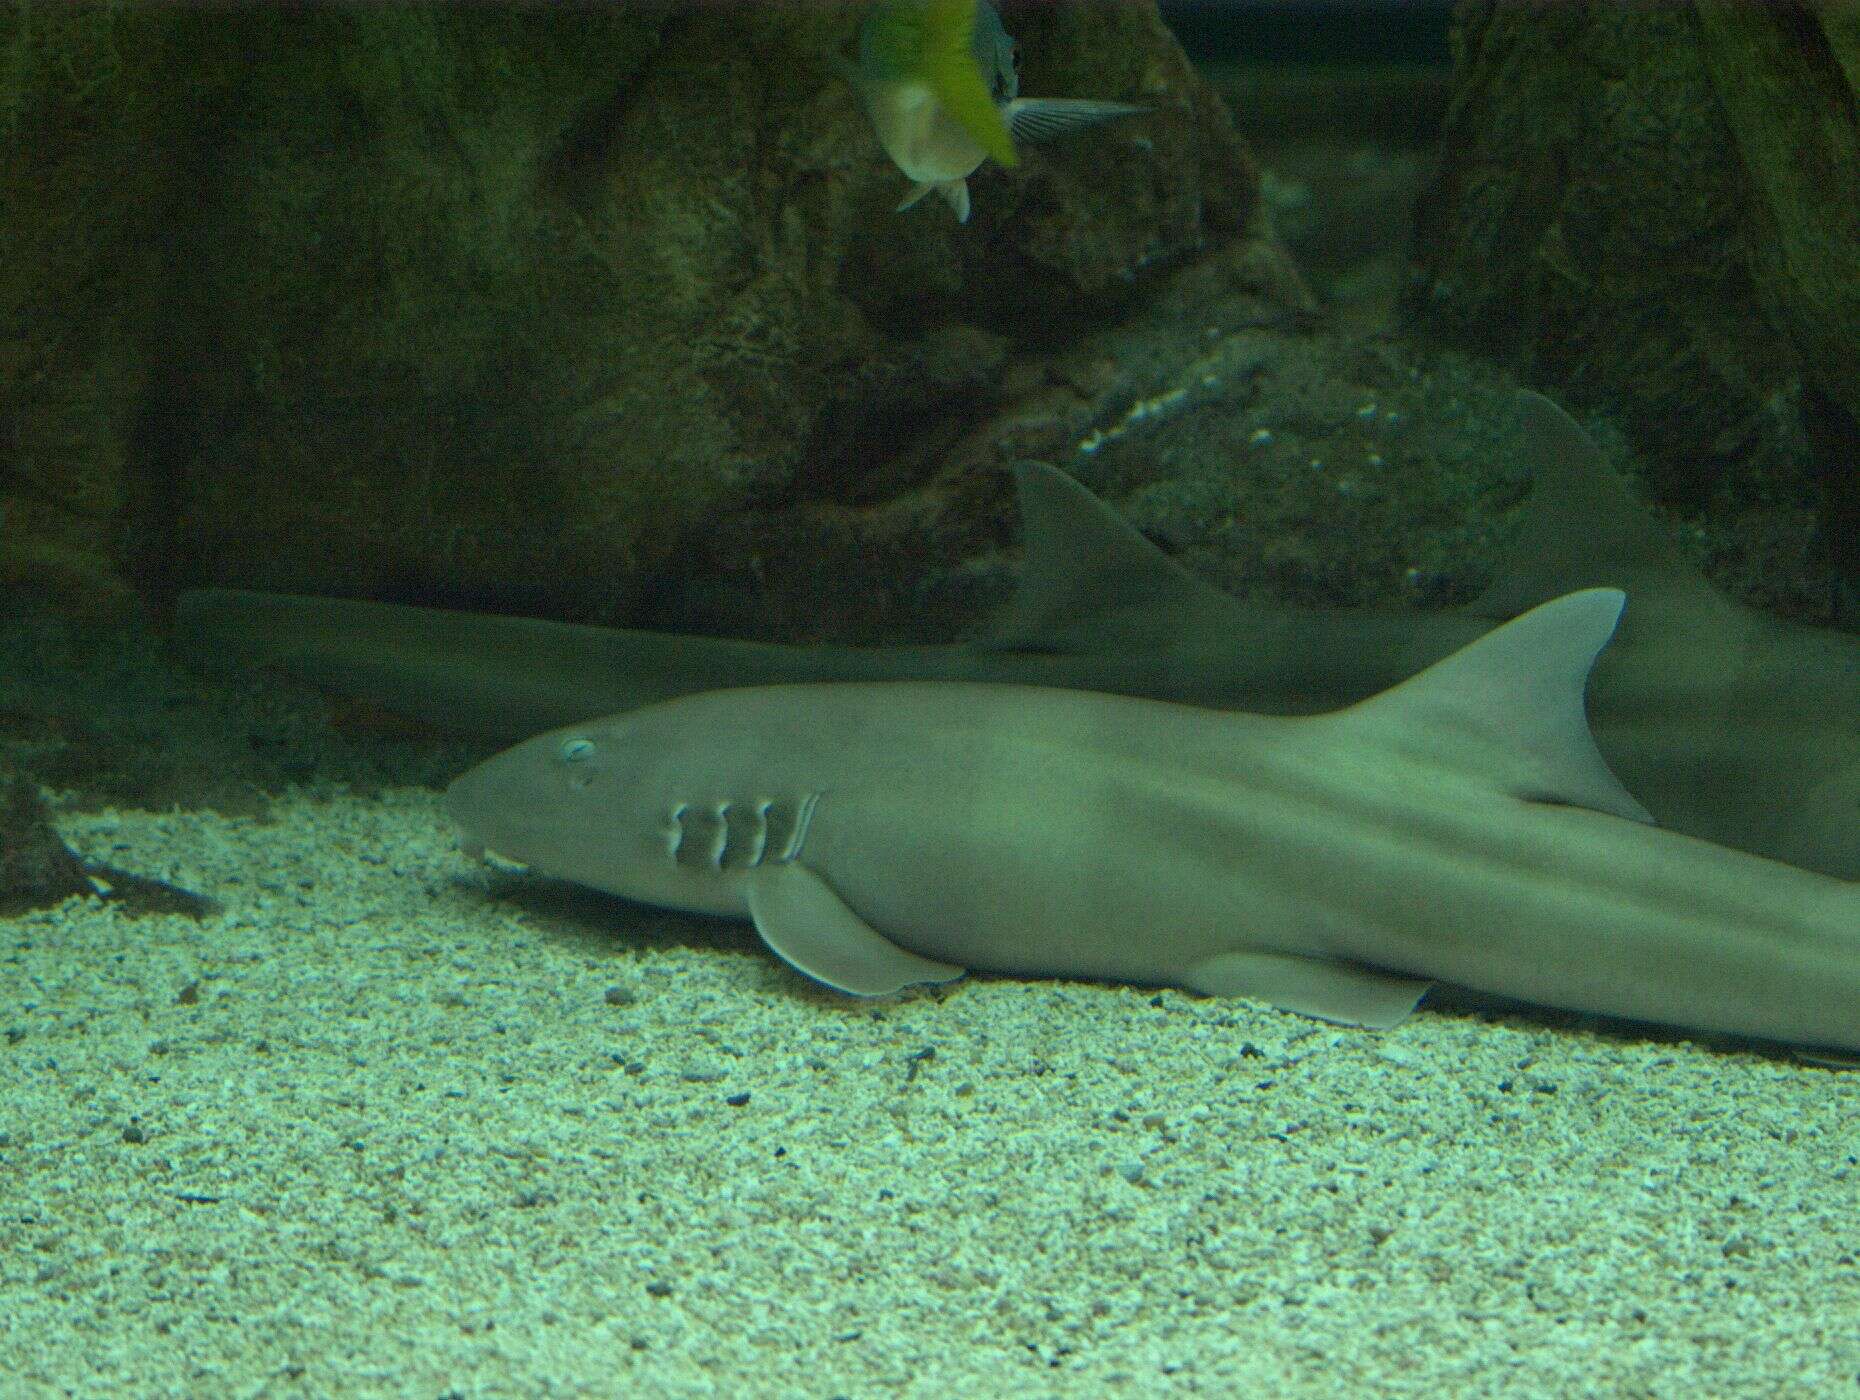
<point x="1048" y="118"/>
<point x="810" y="928"/>
<point x="1331" y="991"/>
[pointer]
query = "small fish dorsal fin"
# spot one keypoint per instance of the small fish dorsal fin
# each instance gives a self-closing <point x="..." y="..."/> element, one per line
<point x="1510" y="706"/>
<point x="1082" y="563"/>
<point x="1583" y="526"/>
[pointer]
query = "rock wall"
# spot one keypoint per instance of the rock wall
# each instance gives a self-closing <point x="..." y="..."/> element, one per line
<point x="1651" y="207"/>
<point x="507" y="304"/>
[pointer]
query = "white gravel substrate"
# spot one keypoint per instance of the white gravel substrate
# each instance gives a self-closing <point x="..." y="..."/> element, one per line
<point x="372" y="1131"/>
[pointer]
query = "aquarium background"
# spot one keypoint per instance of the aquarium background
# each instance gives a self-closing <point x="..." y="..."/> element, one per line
<point x="606" y="317"/>
<point x="1387" y="31"/>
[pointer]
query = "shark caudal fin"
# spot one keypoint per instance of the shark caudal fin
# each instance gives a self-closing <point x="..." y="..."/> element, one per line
<point x="1089" y="579"/>
<point x="1509" y="706"/>
<point x="1583" y="527"/>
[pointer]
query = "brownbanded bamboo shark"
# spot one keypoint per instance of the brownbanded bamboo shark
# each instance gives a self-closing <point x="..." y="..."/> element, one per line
<point x="1459" y="826"/>
<point x="1728" y="724"/>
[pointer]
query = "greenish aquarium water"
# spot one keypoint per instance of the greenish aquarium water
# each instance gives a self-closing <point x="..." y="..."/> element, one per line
<point x="926" y="698"/>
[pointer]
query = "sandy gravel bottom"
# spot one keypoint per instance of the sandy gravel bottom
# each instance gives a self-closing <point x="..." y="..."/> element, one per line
<point x="390" y="1125"/>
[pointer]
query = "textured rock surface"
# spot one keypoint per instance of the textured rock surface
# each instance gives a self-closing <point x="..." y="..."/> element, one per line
<point x="1787" y="78"/>
<point x="512" y="304"/>
<point x="1650" y="205"/>
<point x="36" y="870"/>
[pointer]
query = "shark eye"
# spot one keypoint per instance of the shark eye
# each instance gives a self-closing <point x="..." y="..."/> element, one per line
<point x="577" y="750"/>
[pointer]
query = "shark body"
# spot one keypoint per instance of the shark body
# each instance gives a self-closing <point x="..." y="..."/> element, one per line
<point x="1728" y="724"/>
<point x="1461" y="826"/>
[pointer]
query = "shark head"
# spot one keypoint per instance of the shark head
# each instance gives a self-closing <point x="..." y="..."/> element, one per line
<point x="591" y="803"/>
<point x="535" y="803"/>
<point x="666" y="804"/>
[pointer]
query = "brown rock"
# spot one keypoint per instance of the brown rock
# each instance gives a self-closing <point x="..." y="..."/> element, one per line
<point x="36" y="869"/>
<point x="1787" y="77"/>
<point x="512" y="303"/>
<point x="1651" y="206"/>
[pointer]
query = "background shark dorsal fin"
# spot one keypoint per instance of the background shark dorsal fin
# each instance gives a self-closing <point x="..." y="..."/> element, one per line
<point x="1583" y="526"/>
<point x="1510" y="706"/>
<point x="1081" y="563"/>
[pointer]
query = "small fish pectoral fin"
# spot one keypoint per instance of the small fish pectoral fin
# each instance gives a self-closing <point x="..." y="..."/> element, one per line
<point x="1330" y="991"/>
<point x="810" y="928"/>
<point x="1048" y="118"/>
<point x="956" y="194"/>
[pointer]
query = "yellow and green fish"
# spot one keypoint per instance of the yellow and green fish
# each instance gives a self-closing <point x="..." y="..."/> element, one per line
<point x="940" y="79"/>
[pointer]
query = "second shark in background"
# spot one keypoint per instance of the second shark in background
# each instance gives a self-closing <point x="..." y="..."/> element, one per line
<point x="1726" y="723"/>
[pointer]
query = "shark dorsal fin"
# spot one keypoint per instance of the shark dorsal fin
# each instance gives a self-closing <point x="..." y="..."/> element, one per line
<point x="1510" y="706"/>
<point x="1583" y="526"/>
<point x="1082" y="563"/>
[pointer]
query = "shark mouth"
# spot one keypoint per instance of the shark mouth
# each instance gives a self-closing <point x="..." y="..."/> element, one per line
<point x="476" y="850"/>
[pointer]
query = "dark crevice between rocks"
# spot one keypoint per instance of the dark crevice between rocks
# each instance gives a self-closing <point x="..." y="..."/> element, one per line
<point x="37" y="869"/>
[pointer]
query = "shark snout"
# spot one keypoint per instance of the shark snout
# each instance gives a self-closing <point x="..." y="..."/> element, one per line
<point x="480" y="806"/>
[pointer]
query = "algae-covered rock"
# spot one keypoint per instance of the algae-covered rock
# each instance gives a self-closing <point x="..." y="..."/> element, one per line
<point x="511" y="302"/>
<point x="1788" y="79"/>
<point x="1588" y="220"/>
<point x="1652" y="205"/>
<point x="77" y="280"/>
<point x="36" y="868"/>
<point x="38" y="871"/>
